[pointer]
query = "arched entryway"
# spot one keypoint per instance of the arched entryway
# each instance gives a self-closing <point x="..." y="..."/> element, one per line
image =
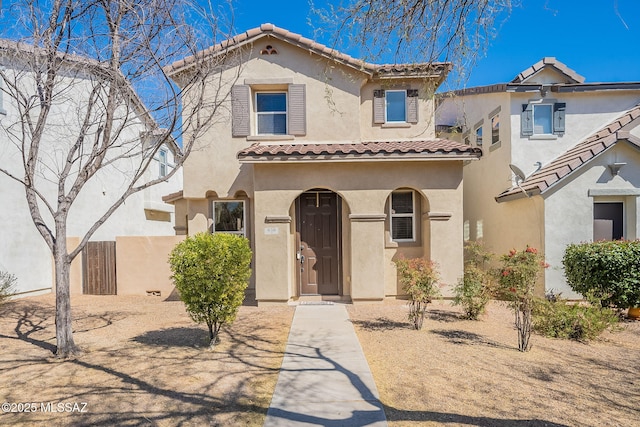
<point x="319" y="242"/>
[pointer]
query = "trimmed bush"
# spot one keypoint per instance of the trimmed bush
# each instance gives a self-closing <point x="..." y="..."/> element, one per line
<point x="474" y="289"/>
<point x="609" y="270"/>
<point x="558" y="319"/>
<point x="419" y="279"/>
<point x="211" y="273"/>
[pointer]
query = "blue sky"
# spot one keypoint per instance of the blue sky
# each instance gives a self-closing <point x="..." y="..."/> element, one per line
<point x="586" y="35"/>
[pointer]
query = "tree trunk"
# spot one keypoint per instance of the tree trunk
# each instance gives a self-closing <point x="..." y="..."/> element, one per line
<point x="66" y="347"/>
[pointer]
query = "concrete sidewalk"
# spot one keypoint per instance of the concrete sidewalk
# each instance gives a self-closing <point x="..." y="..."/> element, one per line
<point x="324" y="379"/>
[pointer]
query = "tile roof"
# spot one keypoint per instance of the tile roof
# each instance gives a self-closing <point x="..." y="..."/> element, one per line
<point x="422" y="149"/>
<point x="433" y="69"/>
<point x="573" y="159"/>
<point x="545" y="62"/>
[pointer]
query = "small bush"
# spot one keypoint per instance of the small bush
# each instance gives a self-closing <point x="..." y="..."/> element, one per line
<point x="609" y="270"/>
<point x="419" y="279"/>
<point x="211" y="273"/>
<point x="474" y="289"/>
<point x="7" y="285"/>
<point x="517" y="279"/>
<point x="558" y="319"/>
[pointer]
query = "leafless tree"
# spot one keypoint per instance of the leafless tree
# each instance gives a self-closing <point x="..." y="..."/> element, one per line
<point x="70" y="78"/>
<point x="410" y="31"/>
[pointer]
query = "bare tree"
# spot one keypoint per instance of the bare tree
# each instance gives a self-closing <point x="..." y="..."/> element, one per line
<point x="72" y="112"/>
<point x="411" y="31"/>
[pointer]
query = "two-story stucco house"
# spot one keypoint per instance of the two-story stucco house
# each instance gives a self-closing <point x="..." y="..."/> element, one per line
<point x="23" y="251"/>
<point x="329" y="166"/>
<point x="560" y="161"/>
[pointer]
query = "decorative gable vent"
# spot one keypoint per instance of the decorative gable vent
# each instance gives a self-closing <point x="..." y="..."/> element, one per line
<point x="269" y="50"/>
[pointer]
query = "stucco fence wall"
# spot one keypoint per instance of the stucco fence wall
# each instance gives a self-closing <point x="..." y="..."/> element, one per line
<point x="141" y="265"/>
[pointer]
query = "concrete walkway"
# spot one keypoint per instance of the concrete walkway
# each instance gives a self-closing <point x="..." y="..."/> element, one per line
<point x="325" y="379"/>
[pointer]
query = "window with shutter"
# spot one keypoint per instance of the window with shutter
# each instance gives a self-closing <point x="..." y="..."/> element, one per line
<point x="542" y="119"/>
<point x="378" y="106"/>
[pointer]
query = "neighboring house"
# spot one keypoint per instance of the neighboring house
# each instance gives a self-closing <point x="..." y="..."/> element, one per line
<point x="329" y="166"/>
<point x="575" y="165"/>
<point x="23" y="251"/>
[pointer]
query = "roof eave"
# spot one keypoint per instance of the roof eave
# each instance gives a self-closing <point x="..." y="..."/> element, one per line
<point x="331" y="158"/>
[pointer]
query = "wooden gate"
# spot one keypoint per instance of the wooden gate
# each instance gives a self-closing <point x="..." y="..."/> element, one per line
<point x="99" y="268"/>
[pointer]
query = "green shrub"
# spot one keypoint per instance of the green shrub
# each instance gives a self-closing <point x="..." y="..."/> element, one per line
<point x="474" y="289"/>
<point x="517" y="279"/>
<point x="419" y="279"/>
<point x="7" y="284"/>
<point x="609" y="270"/>
<point x="558" y="319"/>
<point x="211" y="273"/>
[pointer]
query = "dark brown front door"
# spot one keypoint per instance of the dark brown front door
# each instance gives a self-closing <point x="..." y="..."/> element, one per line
<point x="318" y="253"/>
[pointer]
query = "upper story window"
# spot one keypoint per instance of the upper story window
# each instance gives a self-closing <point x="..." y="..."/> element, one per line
<point x="495" y="129"/>
<point x="540" y="118"/>
<point x="229" y="216"/>
<point x="402" y="214"/>
<point x="163" y="163"/>
<point x="395" y="106"/>
<point x="271" y="113"/>
<point x="479" y="135"/>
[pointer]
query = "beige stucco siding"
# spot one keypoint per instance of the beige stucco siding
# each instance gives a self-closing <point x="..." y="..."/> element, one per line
<point x="368" y="271"/>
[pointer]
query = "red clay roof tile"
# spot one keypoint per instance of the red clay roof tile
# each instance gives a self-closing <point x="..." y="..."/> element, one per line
<point x="426" y="148"/>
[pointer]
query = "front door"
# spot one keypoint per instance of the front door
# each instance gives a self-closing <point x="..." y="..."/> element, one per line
<point x="318" y="254"/>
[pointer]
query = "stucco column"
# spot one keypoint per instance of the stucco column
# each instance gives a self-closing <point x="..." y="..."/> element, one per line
<point x="367" y="256"/>
<point x="273" y="249"/>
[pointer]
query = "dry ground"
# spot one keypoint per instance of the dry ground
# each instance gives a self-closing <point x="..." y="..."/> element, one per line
<point x="146" y="363"/>
<point x="458" y="372"/>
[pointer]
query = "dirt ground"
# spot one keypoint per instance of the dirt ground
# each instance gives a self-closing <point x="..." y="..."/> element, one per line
<point x="458" y="372"/>
<point x="145" y="363"/>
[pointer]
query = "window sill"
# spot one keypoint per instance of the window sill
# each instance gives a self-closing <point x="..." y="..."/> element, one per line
<point x="543" y="137"/>
<point x="495" y="146"/>
<point x="271" y="138"/>
<point x="396" y="125"/>
<point x="406" y="244"/>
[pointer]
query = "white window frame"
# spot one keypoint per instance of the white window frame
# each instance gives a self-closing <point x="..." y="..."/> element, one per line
<point x="412" y="215"/>
<point x="259" y="113"/>
<point x="386" y="105"/>
<point x="243" y="231"/>
<point x="163" y="165"/>
<point x="533" y="117"/>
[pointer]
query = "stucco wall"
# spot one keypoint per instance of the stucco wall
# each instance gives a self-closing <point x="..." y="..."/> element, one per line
<point x="569" y="209"/>
<point x="142" y="264"/>
<point x="364" y="189"/>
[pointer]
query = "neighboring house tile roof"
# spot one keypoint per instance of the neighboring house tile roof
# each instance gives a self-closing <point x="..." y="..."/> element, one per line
<point x="422" y="149"/>
<point x="572" y="160"/>
<point x="433" y="69"/>
<point x="545" y="62"/>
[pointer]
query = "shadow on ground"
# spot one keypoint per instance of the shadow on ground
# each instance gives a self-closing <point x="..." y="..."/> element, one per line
<point x="175" y="337"/>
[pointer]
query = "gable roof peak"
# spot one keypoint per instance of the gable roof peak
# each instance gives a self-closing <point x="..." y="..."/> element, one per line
<point x="549" y="62"/>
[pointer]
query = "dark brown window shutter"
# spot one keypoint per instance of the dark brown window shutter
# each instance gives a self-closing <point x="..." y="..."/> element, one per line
<point x="297" y="110"/>
<point x="378" y="106"/>
<point x="240" y="110"/>
<point x="412" y="105"/>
